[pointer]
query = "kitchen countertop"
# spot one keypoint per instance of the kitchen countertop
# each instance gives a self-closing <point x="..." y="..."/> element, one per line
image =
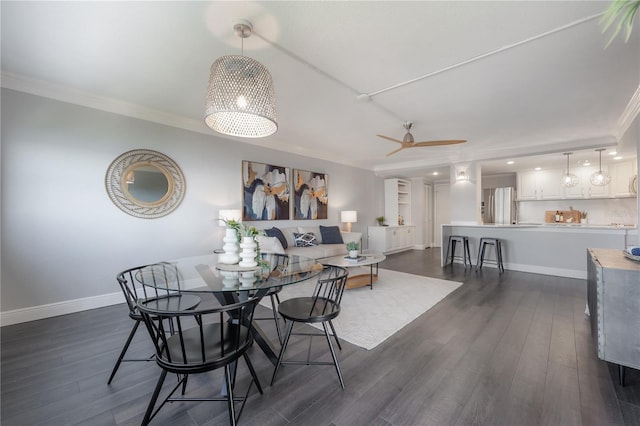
<point x="559" y="226"/>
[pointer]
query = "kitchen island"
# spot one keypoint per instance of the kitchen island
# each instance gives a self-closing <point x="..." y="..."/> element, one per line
<point x="548" y="249"/>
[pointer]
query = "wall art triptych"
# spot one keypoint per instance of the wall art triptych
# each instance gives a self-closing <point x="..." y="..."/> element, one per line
<point x="267" y="192"/>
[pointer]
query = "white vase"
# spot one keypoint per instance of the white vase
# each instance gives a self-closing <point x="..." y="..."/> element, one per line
<point x="230" y="279"/>
<point x="248" y="253"/>
<point x="353" y="253"/>
<point x="230" y="247"/>
<point x="583" y="221"/>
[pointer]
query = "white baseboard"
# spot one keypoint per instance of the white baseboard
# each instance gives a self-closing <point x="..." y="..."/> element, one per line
<point x="60" y="308"/>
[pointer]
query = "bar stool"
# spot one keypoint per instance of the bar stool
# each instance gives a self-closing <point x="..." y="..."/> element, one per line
<point x="497" y="244"/>
<point x="453" y="239"/>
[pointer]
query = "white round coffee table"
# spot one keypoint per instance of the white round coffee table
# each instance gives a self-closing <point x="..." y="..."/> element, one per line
<point x="359" y="278"/>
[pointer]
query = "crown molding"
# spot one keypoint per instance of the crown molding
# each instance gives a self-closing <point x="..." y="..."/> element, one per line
<point x="628" y="115"/>
<point x="78" y="97"/>
<point x="74" y="96"/>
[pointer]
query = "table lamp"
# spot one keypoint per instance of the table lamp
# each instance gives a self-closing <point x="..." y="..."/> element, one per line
<point x="349" y="216"/>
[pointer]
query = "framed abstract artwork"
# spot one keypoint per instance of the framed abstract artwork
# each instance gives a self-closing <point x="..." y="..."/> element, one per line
<point x="311" y="199"/>
<point x="266" y="191"/>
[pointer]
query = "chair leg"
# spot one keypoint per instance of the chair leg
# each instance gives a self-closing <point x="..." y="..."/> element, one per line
<point x="333" y="354"/>
<point x="446" y="254"/>
<point x="184" y="383"/>
<point x="453" y="251"/>
<point x="253" y="372"/>
<point x="154" y="398"/>
<point x="273" y="298"/>
<point x="284" y="347"/>
<point x="123" y="352"/>
<point x="335" y="335"/>
<point x="480" y="256"/>
<point x="230" y="402"/>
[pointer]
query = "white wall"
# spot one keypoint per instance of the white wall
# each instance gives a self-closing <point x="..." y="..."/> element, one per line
<point x="62" y="237"/>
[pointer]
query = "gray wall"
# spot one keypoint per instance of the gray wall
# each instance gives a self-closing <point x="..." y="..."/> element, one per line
<point x="62" y="237"/>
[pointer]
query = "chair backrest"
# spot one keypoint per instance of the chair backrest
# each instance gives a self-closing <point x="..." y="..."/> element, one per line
<point x="148" y="281"/>
<point x="200" y="339"/>
<point x="327" y="293"/>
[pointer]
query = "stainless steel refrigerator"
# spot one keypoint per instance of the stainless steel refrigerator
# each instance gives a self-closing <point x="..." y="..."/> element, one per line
<point x="499" y="206"/>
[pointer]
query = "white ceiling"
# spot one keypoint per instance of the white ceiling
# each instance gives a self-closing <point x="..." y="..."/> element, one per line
<point x="551" y="86"/>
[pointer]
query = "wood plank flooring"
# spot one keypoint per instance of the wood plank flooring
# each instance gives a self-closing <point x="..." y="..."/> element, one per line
<point x="511" y="349"/>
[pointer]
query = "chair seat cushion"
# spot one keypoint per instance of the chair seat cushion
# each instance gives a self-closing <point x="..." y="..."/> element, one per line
<point x="302" y="309"/>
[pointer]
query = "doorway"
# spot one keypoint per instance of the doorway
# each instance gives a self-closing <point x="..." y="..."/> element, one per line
<point x="441" y="211"/>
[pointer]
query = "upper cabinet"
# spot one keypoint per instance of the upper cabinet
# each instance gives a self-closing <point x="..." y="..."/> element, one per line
<point x="622" y="175"/>
<point x="540" y="185"/>
<point x="397" y="201"/>
<point x="547" y="184"/>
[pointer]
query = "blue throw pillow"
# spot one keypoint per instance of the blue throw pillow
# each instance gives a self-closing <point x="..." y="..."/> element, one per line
<point x="331" y="235"/>
<point x="275" y="232"/>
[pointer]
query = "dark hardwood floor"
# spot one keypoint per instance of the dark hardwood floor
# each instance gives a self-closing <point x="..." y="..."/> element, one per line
<point x="511" y="349"/>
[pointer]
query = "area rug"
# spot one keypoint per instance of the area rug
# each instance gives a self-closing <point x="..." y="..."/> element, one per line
<point x="368" y="317"/>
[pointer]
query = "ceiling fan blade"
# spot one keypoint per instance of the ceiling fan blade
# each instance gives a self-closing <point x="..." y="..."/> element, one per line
<point x="436" y="143"/>
<point x="394" y="151"/>
<point x="388" y="138"/>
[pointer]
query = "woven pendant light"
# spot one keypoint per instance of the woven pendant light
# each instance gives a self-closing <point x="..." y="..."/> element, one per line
<point x="240" y="96"/>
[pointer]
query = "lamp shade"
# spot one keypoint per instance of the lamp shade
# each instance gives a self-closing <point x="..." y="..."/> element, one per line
<point x="228" y="215"/>
<point x="349" y="216"/>
<point x="240" y="98"/>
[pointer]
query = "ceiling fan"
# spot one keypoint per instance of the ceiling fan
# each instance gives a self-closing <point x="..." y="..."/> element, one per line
<point x="408" y="142"/>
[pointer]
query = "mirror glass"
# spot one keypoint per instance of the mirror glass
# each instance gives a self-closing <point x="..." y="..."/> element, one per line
<point x="145" y="183"/>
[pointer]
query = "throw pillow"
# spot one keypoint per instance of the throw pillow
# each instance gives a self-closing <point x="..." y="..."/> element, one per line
<point x="305" y="240"/>
<point x="269" y="244"/>
<point x="275" y="232"/>
<point x="331" y="235"/>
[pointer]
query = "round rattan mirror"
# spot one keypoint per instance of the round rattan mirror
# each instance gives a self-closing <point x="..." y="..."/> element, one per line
<point x="145" y="183"/>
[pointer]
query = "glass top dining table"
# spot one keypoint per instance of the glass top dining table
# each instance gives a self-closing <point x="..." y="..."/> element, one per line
<point x="231" y="283"/>
<point x="206" y="274"/>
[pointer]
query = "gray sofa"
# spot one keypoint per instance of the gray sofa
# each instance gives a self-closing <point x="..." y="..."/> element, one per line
<point x="319" y="251"/>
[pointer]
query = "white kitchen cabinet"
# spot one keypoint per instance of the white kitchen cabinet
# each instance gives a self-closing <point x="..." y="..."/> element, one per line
<point x="397" y="201"/>
<point x="527" y="187"/>
<point x="391" y="239"/>
<point x="549" y="184"/>
<point x="621" y="177"/>
<point x="540" y="185"/>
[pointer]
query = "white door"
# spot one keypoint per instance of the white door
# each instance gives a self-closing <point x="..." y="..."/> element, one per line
<point x="442" y="211"/>
<point x="428" y="217"/>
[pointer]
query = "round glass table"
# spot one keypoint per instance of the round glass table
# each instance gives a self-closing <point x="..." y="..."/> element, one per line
<point x="231" y="283"/>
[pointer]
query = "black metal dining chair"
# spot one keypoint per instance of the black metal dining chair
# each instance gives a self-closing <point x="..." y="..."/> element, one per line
<point x="322" y="306"/>
<point x="274" y="262"/>
<point x="157" y="283"/>
<point x="199" y="341"/>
